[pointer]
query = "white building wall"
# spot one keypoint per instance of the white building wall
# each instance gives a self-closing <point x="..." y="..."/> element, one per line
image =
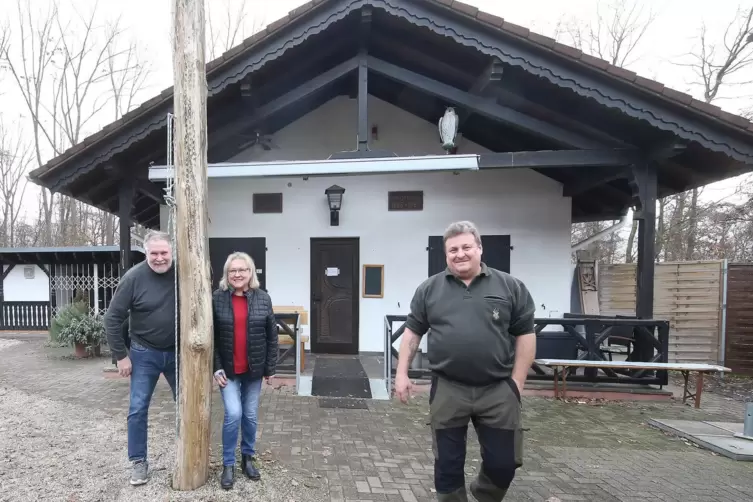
<point x="527" y="206"/>
<point x="17" y="288"/>
<point x="332" y="128"/>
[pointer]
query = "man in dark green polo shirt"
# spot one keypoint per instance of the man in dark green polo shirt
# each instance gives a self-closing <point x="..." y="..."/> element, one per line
<point x="480" y="347"/>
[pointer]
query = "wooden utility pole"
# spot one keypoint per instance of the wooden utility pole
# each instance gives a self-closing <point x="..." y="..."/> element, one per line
<point x="190" y="143"/>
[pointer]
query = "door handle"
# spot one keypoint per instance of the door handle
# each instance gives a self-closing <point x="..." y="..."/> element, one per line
<point x="316" y="298"/>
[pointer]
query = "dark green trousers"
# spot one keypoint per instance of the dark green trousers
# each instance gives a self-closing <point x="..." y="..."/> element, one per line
<point x="495" y="412"/>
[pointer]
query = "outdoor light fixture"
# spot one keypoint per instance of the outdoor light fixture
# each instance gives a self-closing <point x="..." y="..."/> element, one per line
<point x="335" y="201"/>
<point x="448" y="129"/>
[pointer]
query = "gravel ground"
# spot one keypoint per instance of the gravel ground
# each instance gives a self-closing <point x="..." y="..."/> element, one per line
<point x="55" y="451"/>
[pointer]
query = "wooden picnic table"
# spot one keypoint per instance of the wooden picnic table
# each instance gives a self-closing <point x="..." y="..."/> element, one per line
<point x="560" y="366"/>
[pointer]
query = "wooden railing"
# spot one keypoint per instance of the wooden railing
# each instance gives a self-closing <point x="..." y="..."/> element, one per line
<point x="582" y="337"/>
<point x="288" y="327"/>
<point x="25" y="316"/>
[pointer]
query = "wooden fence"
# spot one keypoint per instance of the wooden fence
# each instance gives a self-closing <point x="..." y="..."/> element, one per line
<point x="24" y="316"/>
<point x="739" y="319"/>
<point x="687" y="294"/>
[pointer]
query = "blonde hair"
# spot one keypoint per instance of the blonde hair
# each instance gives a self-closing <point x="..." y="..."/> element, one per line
<point x="238" y="255"/>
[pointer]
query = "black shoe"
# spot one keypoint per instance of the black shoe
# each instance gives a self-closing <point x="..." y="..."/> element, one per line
<point x="247" y="465"/>
<point x="227" y="479"/>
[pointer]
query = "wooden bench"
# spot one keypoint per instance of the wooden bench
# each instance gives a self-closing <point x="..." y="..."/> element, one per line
<point x="560" y="366"/>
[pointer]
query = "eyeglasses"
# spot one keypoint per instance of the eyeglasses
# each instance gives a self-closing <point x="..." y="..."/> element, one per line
<point x="237" y="271"/>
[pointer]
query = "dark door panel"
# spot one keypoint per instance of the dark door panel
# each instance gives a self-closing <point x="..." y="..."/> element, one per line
<point x="496" y="253"/>
<point x="334" y="296"/>
<point x="221" y="247"/>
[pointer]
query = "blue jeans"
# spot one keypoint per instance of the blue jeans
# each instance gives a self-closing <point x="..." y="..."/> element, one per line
<point x="241" y="399"/>
<point x="147" y="365"/>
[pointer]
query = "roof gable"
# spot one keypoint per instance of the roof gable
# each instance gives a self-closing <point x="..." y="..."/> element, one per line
<point x="537" y="54"/>
<point x="580" y="81"/>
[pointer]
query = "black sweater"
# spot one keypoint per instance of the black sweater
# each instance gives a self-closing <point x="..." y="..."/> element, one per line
<point x="150" y="298"/>
<point x="261" y="333"/>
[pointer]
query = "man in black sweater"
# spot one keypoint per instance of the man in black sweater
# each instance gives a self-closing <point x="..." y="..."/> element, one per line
<point x="146" y="293"/>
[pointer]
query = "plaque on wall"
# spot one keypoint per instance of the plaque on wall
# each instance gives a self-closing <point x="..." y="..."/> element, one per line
<point x="405" y="201"/>
<point x="373" y="281"/>
<point x="267" y="203"/>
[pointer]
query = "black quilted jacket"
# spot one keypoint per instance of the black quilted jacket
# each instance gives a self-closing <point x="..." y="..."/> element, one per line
<point x="261" y="335"/>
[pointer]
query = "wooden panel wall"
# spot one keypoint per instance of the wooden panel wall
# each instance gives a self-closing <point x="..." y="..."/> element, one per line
<point x="687" y="294"/>
<point x="739" y="333"/>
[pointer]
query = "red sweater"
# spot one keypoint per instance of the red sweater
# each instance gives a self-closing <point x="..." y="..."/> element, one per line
<point x="240" y="324"/>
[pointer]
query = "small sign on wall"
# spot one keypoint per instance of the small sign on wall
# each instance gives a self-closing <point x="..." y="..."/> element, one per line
<point x="373" y="281"/>
<point x="405" y="201"/>
<point x="28" y="272"/>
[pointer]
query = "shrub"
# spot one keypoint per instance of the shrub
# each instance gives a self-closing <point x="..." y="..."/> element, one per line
<point x="67" y="315"/>
<point x="86" y="330"/>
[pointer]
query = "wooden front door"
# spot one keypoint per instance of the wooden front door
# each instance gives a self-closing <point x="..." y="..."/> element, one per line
<point x="334" y="296"/>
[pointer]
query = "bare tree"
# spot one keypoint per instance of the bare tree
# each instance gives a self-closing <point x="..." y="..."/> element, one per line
<point x="16" y="155"/>
<point x="231" y="27"/>
<point x="615" y="35"/>
<point x="67" y="72"/>
<point x="716" y="66"/>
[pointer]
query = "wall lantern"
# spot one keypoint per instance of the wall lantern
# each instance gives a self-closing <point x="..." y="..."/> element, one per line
<point x="335" y="201"/>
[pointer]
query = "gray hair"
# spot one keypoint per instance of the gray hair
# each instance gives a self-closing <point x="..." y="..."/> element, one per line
<point x="460" y="228"/>
<point x="156" y="235"/>
<point x="238" y="255"/>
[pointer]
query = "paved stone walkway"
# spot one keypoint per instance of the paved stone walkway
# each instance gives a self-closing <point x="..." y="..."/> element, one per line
<point x="574" y="451"/>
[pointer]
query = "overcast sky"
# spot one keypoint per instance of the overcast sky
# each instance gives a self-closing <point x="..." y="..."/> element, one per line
<point x="671" y="37"/>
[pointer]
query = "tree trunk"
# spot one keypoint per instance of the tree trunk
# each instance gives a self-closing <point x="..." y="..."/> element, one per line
<point x="196" y="344"/>
<point x="630" y="243"/>
<point x="661" y="234"/>
<point x="692" y="226"/>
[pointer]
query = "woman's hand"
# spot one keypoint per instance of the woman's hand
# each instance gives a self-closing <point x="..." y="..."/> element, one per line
<point x="220" y="378"/>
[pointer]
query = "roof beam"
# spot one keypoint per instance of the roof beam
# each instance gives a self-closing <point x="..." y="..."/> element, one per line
<point x="492" y="73"/>
<point x="576" y="76"/>
<point x="150" y="190"/>
<point x="558" y="159"/>
<point x="303" y="91"/>
<point x="482" y="106"/>
<point x="593" y="180"/>
<point x="504" y="97"/>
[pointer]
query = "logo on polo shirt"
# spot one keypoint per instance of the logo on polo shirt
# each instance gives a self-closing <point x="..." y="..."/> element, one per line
<point x="495" y="314"/>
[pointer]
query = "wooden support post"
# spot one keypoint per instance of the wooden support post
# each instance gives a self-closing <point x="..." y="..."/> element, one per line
<point x="126" y="193"/>
<point x="195" y="295"/>
<point x="363" y="80"/>
<point x="645" y="187"/>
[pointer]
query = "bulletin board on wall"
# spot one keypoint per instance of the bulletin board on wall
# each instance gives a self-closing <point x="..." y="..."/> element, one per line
<point x="373" y="281"/>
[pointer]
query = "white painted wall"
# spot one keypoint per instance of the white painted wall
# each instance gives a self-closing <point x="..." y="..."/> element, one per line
<point x="332" y="128"/>
<point x="17" y="288"/>
<point x="527" y="206"/>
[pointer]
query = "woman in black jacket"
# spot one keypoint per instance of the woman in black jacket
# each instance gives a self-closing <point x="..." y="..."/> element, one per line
<point x="245" y="351"/>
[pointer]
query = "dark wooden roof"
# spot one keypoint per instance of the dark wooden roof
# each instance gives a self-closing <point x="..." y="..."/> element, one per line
<point x="422" y="54"/>
<point x="66" y="255"/>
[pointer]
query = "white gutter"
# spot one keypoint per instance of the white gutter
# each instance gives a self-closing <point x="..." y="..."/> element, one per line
<point x="624" y="221"/>
<point x="332" y="167"/>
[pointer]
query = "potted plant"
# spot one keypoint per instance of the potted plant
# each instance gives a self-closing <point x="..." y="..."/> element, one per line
<point x="85" y="333"/>
<point x="74" y="310"/>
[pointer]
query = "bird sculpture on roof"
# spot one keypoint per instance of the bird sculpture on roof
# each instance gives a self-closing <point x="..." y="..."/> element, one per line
<point x="448" y="128"/>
